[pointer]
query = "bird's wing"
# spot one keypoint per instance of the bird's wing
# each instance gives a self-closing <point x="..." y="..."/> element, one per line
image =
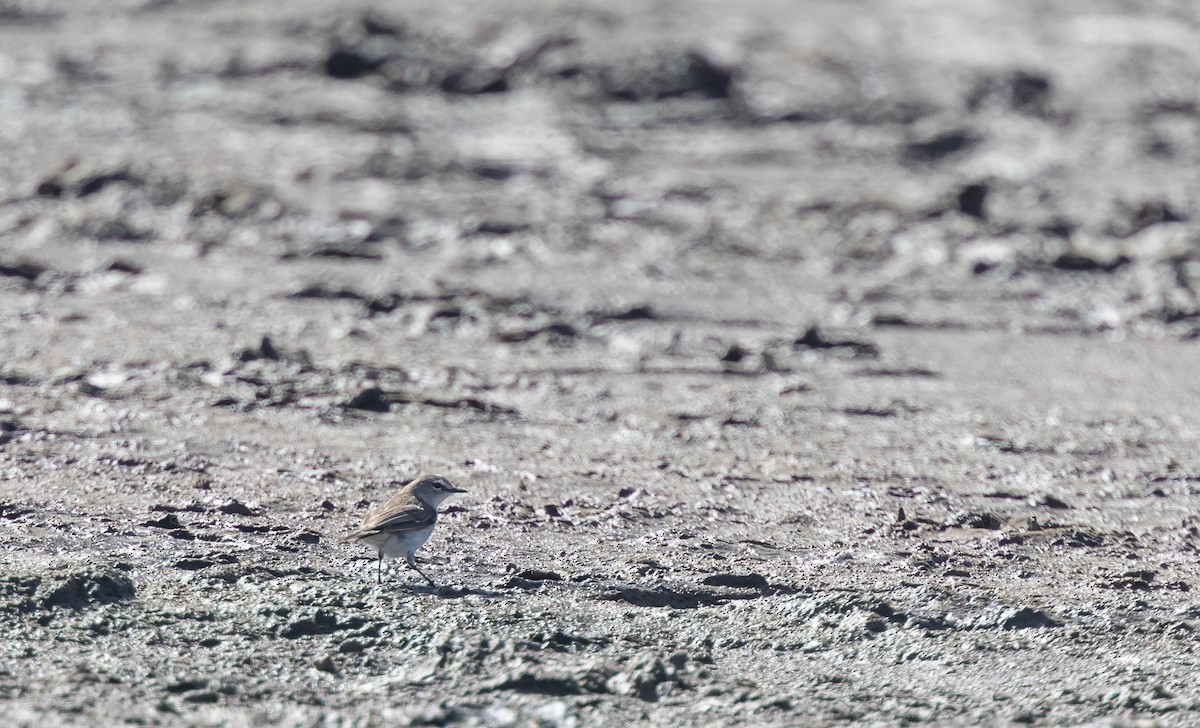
<point x="398" y="514"/>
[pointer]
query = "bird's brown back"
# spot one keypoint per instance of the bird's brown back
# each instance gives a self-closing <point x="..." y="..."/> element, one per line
<point x="402" y="512"/>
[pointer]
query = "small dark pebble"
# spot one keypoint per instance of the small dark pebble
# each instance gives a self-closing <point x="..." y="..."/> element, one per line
<point x="738" y="581"/>
<point x="539" y="575"/>
<point x="183" y="686"/>
<point x="982" y="519"/>
<point x="167" y="521"/>
<point x="1052" y="502"/>
<point x="205" y="697"/>
<point x="236" y="508"/>
<point x="249" y="528"/>
<point x="1027" y="618"/>
<point x="735" y="354"/>
<point x="371" y="399"/>
<point x="193" y="564"/>
<point x="516" y="582"/>
<point x="121" y="266"/>
<point x="326" y="664"/>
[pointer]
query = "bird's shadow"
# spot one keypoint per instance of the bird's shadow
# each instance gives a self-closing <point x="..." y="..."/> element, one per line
<point x="458" y="592"/>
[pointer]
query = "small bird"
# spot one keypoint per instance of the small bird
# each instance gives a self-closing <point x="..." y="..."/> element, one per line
<point x="405" y="521"/>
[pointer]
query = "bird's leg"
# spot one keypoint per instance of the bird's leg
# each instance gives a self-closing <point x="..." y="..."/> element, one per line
<point x="412" y="562"/>
<point x="379" y="569"/>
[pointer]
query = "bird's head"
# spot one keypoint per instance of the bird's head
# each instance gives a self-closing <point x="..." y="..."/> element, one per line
<point x="433" y="489"/>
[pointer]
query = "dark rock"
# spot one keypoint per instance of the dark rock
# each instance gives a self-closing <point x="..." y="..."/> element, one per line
<point x="371" y="399"/>
<point x="121" y="266"/>
<point x="872" y="411"/>
<point x="1027" y="618"/>
<point x="384" y="304"/>
<point x="340" y="252"/>
<point x="982" y="519"/>
<point x="206" y="697"/>
<point x="319" y="622"/>
<point x="8" y="432"/>
<point x="738" y="581"/>
<point x="734" y="354"/>
<point x="674" y="598"/>
<point x="24" y="269"/>
<point x="194" y="564"/>
<point x="326" y="664"/>
<point x="516" y="582"/>
<point x="1050" y="501"/>
<point x="539" y="575"/>
<point x="1076" y="261"/>
<point x="813" y="339"/>
<point x="1029" y="92"/>
<point x="236" y="508"/>
<point x="8" y="510"/>
<point x="265" y="350"/>
<point x="634" y="313"/>
<point x="557" y="330"/>
<point x="494" y="171"/>
<point x="941" y="146"/>
<point x="1136" y="580"/>
<point x="186" y="686"/>
<point x="346" y="64"/>
<point x="971" y="200"/>
<point x="168" y="521"/>
<point x="528" y="681"/>
<point x="898" y="372"/>
<point x="252" y="528"/>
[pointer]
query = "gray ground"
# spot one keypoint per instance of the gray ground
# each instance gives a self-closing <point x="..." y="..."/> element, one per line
<point x="808" y="363"/>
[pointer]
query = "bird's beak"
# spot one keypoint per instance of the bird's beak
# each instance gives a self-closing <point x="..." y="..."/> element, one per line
<point x="455" y="489"/>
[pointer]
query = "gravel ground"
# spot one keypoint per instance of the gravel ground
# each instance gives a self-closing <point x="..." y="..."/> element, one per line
<point x="807" y="363"/>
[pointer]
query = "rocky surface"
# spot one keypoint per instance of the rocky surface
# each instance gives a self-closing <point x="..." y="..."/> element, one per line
<point x="809" y="363"/>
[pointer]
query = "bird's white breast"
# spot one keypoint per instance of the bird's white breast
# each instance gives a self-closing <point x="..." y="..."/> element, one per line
<point x="394" y="545"/>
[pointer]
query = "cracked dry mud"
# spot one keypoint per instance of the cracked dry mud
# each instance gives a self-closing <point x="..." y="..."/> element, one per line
<point x="808" y="363"/>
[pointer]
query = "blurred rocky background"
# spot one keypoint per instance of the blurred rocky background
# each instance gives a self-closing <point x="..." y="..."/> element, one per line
<point x="808" y="362"/>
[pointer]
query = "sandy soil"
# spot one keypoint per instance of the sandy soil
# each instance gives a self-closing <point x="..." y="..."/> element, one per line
<point x="808" y="363"/>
